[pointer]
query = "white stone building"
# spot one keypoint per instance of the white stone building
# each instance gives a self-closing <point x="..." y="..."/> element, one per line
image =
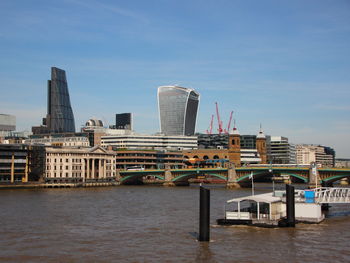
<point x="79" y="165"/>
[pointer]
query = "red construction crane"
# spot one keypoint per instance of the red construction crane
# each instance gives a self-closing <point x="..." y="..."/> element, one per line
<point x="211" y="125"/>
<point x="220" y="130"/>
<point x="229" y="124"/>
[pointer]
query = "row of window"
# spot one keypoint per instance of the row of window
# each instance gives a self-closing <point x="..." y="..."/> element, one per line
<point x="73" y="160"/>
<point x="75" y="174"/>
<point x="74" y="167"/>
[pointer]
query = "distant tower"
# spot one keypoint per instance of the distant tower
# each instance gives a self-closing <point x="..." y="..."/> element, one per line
<point x="60" y="118"/>
<point x="178" y="108"/>
<point x="234" y="146"/>
<point x="123" y="121"/>
<point x="261" y="145"/>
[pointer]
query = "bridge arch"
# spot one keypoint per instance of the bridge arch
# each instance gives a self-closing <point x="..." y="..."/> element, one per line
<point x="298" y="176"/>
<point x="335" y="178"/>
<point x="195" y="174"/>
<point x="135" y="176"/>
<point x="261" y="174"/>
<point x="245" y="178"/>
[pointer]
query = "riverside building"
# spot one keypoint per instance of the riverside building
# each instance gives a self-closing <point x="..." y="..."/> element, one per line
<point x="139" y="159"/>
<point x="79" y="165"/>
<point x="322" y="155"/>
<point x="178" y="109"/>
<point x="20" y="163"/>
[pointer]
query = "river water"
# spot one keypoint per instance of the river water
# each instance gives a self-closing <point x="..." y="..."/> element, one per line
<point x="153" y="224"/>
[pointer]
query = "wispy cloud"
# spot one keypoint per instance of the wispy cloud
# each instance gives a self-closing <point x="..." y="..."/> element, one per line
<point x="95" y="5"/>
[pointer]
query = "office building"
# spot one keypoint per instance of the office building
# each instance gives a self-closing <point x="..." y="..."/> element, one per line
<point x="123" y="121"/>
<point x="7" y="123"/>
<point x="21" y="163"/>
<point x="280" y="151"/>
<point x="59" y="118"/>
<point x="152" y="142"/>
<point x="220" y="141"/>
<point x="308" y="153"/>
<point x="62" y="140"/>
<point x="342" y="163"/>
<point x="95" y="130"/>
<point x="178" y="108"/>
<point x="240" y="154"/>
<point x="139" y="159"/>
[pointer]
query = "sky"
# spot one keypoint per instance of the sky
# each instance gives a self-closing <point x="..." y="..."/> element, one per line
<point x="284" y="64"/>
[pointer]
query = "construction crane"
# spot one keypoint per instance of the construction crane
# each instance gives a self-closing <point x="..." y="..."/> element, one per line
<point x="220" y="130"/>
<point x="229" y="124"/>
<point x="211" y="125"/>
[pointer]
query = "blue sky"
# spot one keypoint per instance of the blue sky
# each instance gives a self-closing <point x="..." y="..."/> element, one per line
<point x="285" y="64"/>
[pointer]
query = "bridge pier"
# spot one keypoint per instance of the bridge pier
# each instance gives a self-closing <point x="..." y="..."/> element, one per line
<point x="314" y="180"/>
<point x="117" y="176"/>
<point x="168" y="178"/>
<point x="232" y="177"/>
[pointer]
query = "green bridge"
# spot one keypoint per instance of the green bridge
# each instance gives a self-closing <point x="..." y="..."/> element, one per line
<point x="237" y="177"/>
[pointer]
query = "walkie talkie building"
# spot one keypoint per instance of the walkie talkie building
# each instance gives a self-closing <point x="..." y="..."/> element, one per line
<point x="178" y="108"/>
<point x="60" y="116"/>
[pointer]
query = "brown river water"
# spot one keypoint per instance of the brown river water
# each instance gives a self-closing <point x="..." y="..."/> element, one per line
<point x="153" y="224"/>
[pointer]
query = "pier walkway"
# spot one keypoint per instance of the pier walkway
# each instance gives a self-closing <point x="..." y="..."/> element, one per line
<point x="332" y="195"/>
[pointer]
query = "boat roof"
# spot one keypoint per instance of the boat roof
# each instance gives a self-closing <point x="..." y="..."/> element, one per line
<point x="261" y="198"/>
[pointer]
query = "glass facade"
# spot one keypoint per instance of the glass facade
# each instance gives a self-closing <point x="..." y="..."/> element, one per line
<point x="178" y="109"/>
<point x="60" y="116"/>
<point x="123" y="121"/>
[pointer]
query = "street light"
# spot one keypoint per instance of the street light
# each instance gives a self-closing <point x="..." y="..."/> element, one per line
<point x="273" y="179"/>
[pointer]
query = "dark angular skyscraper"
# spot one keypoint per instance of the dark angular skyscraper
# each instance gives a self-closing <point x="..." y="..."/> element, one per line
<point x="60" y="116"/>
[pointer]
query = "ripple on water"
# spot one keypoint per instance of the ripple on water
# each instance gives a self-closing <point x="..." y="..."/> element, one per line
<point x="152" y="224"/>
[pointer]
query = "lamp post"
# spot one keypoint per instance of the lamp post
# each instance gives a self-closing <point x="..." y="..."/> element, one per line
<point x="251" y="177"/>
<point x="273" y="179"/>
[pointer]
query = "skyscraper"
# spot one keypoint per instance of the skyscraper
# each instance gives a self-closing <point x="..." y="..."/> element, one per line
<point x="123" y="121"/>
<point x="178" y="108"/>
<point x="60" y="116"/>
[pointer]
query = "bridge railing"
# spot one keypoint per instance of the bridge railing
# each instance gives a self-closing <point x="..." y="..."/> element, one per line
<point x="332" y="195"/>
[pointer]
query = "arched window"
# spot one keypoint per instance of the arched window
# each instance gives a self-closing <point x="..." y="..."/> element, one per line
<point x="195" y="156"/>
<point x="216" y="157"/>
<point x="205" y="157"/>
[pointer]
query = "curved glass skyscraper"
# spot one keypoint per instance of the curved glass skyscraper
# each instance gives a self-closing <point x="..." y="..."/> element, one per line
<point x="178" y="108"/>
<point x="60" y="116"/>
